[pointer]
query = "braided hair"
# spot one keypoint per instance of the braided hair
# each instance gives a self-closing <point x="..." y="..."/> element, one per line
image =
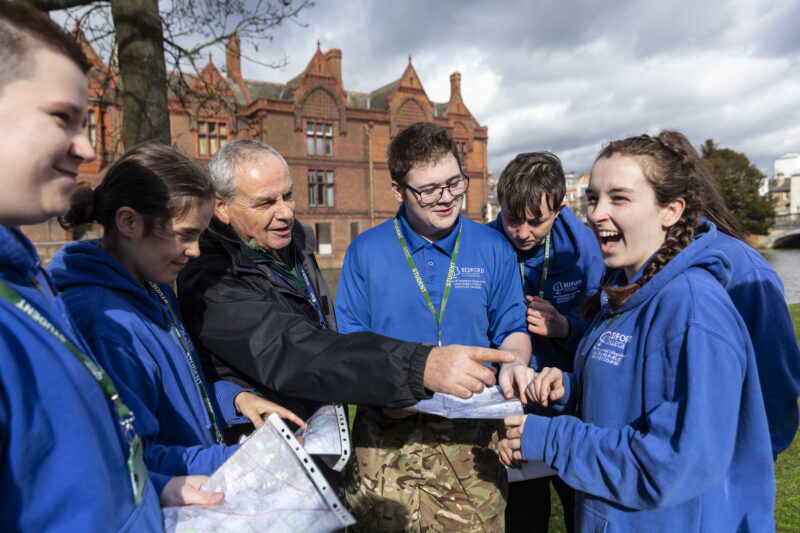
<point x="673" y="169"/>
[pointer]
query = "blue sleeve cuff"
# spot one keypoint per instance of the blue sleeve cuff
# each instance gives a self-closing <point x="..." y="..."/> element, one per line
<point x="225" y="392"/>
<point x="159" y="481"/>
<point x="534" y="437"/>
<point x="577" y="328"/>
<point x="566" y="403"/>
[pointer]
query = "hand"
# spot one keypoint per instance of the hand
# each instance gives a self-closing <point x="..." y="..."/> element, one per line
<point x="543" y="319"/>
<point x="518" y="374"/>
<point x="547" y="386"/>
<point x="185" y="490"/>
<point x="514" y="426"/>
<point x="398" y="413"/>
<point x="257" y="409"/>
<point x="505" y="453"/>
<point x="459" y="370"/>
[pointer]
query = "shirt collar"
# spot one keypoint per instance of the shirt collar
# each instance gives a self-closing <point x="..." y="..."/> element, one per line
<point x="416" y="241"/>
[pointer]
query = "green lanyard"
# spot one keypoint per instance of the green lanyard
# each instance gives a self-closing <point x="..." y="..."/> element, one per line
<point x="545" y="266"/>
<point x="448" y="283"/>
<point x="582" y="364"/>
<point x="178" y="338"/>
<point x="136" y="467"/>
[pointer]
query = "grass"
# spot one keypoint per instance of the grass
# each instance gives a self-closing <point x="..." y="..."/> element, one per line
<point x="787" y="476"/>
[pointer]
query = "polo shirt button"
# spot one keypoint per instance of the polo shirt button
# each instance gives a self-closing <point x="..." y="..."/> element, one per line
<point x="430" y="263"/>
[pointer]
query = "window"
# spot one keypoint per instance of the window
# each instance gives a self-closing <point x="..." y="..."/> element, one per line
<point x="319" y="138"/>
<point x="462" y="152"/>
<point x="320" y="188"/>
<point x="353" y="230"/>
<point x="211" y="136"/>
<point x="91" y="128"/>
<point x="323" y="232"/>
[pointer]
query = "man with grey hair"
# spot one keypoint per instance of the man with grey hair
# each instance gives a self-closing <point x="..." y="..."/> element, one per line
<point x="259" y="311"/>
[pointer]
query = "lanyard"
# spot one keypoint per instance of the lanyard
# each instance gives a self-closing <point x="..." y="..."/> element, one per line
<point x="582" y="363"/>
<point x="136" y="467"/>
<point x="545" y="266"/>
<point x="178" y="338"/>
<point x="415" y="271"/>
<point x="312" y="296"/>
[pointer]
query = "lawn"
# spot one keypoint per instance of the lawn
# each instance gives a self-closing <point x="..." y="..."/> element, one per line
<point x="787" y="476"/>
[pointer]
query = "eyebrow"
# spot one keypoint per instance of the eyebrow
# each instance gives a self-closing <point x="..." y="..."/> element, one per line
<point x="263" y="199"/>
<point x="435" y="184"/>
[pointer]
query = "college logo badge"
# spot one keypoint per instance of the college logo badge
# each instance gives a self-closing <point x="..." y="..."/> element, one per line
<point x="610" y="347"/>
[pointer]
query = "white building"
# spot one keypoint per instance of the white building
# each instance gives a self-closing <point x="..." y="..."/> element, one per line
<point x="785" y="187"/>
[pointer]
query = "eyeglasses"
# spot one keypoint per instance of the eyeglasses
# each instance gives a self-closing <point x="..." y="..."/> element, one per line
<point x="432" y="195"/>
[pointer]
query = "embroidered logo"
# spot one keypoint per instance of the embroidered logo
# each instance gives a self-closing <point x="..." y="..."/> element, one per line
<point x="610" y="347"/>
<point x="469" y="277"/>
<point x="566" y="291"/>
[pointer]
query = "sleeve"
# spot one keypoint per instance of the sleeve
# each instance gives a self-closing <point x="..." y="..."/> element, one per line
<point x="159" y="481"/>
<point x="683" y="446"/>
<point x="577" y="327"/>
<point x="253" y="331"/>
<point x="506" y="301"/>
<point x="760" y="300"/>
<point x="225" y="392"/>
<point x="138" y="384"/>
<point x="352" y="300"/>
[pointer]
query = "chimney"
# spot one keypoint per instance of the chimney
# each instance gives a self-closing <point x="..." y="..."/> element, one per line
<point x="334" y="58"/>
<point x="455" y="85"/>
<point x="233" y="58"/>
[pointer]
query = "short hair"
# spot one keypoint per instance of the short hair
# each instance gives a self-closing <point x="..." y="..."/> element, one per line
<point x="23" y="30"/>
<point x="528" y="178"/>
<point x="155" y="180"/>
<point x="224" y="163"/>
<point x="419" y="143"/>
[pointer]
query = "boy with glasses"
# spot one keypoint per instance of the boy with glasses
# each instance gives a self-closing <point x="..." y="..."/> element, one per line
<point x="430" y="275"/>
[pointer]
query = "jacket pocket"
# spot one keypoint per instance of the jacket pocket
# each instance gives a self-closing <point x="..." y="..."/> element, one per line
<point x="591" y="521"/>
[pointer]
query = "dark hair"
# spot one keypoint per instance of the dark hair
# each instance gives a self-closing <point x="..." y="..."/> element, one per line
<point x="421" y="142"/>
<point x="529" y="177"/>
<point x="23" y="29"/>
<point x="673" y="169"/>
<point x="155" y="180"/>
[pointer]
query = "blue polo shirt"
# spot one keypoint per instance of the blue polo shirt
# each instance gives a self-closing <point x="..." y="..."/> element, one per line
<point x="377" y="291"/>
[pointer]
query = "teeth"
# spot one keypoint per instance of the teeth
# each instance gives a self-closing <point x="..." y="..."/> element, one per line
<point x="608" y="233"/>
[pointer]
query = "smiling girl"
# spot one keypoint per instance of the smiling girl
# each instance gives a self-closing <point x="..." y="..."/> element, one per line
<point x="152" y="204"/>
<point x="669" y="432"/>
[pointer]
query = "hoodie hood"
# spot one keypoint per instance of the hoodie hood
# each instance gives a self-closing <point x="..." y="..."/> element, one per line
<point x="19" y="261"/>
<point x="86" y="263"/>
<point x="699" y="254"/>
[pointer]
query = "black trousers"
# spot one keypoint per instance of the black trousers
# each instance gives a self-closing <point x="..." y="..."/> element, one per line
<point x="528" y="508"/>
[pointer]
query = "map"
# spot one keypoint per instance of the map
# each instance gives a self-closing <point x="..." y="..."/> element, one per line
<point x="489" y="404"/>
<point x="327" y="435"/>
<point x="270" y="484"/>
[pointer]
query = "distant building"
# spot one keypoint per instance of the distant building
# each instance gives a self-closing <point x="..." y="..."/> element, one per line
<point x="334" y="140"/>
<point x="785" y="186"/>
<point x="576" y="193"/>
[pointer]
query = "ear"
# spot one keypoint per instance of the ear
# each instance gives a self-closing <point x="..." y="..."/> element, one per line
<point x="129" y="223"/>
<point x="671" y="213"/>
<point x="397" y="190"/>
<point x="562" y="206"/>
<point x="221" y="210"/>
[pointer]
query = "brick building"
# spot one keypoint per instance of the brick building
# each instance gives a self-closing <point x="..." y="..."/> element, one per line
<point x="334" y="140"/>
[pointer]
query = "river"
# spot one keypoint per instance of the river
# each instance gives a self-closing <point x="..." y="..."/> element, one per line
<point x="786" y="263"/>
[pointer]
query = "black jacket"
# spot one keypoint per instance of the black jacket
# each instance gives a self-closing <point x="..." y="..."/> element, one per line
<point x="251" y="327"/>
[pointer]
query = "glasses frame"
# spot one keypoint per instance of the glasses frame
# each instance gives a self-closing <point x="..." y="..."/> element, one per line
<point x="464" y="177"/>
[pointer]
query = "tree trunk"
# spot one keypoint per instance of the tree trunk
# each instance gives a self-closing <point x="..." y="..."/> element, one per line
<point x="140" y="52"/>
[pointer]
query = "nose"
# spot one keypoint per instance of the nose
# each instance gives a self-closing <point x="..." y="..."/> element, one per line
<point x="82" y="148"/>
<point x="285" y="209"/>
<point x="523" y="232"/>
<point x="596" y="212"/>
<point x="193" y="250"/>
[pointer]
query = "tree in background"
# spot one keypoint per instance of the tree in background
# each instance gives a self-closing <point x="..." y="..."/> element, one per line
<point x="146" y="40"/>
<point x="738" y="181"/>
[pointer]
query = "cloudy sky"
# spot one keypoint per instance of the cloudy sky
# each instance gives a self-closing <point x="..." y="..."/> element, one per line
<point x="569" y="75"/>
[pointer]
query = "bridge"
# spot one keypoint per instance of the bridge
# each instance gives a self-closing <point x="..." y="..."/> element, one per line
<point x="784" y="234"/>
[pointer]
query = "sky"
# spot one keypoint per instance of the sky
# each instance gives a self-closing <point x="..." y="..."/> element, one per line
<point x="569" y="76"/>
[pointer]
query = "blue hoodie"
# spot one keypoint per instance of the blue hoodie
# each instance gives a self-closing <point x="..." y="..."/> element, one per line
<point x="757" y="292"/>
<point x="574" y="273"/>
<point x="62" y="458"/>
<point x="672" y="434"/>
<point x="128" y="331"/>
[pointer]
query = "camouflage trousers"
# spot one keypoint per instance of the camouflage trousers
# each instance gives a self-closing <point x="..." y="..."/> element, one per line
<point x="425" y="473"/>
